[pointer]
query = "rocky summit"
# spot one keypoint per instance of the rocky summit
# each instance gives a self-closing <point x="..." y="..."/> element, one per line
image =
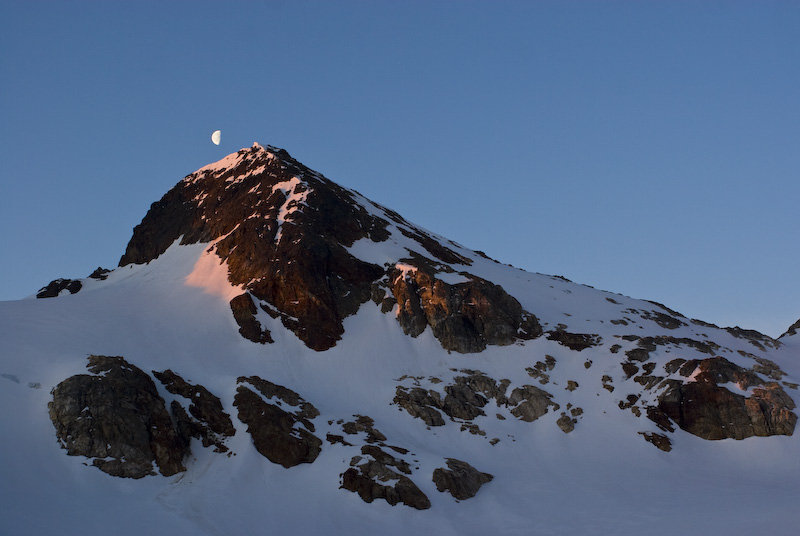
<point x="275" y="349"/>
<point x="284" y="232"/>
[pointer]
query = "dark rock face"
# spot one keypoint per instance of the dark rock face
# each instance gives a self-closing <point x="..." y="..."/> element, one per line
<point x="283" y="437"/>
<point x="664" y="320"/>
<point x="207" y="422"/>
<point x="282" y="229"/>
<point x="757" y="339"/>
<point x="376" y="473"/>
<point x="706" y="409"/>
<point x="364" y="424"/>
<point x="661" y="441"/>
<point x="650" y="344"/>
<point x="421" y="404"/>
<point x="462" y="402"/>
<point x="464" y="399"/>
<point x="574" y="341"/>
<point x="792" y="330"/>
<point x="244" y="312"/>
<point x="100" y="273"/>
<point x="566" y="423"/>
<point x="464" y="317"/>
<point x="460" y="479"/>
<point x="531" y="402"/>
<point x="57" y="286"/>
<point x="116" y="417"/>
<point x="468" y="395"/>
<point x="380" y="478"/>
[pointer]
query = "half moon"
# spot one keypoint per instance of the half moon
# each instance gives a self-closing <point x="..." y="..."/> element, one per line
<point x="216" y="136"/>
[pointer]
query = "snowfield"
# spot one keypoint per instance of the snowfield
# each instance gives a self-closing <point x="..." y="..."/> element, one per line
<point x="602" y="478"/>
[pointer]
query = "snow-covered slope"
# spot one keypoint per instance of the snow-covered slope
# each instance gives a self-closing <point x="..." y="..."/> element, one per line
<point x="604" y="362"/>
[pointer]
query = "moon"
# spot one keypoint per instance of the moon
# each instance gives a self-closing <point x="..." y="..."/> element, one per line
<point x="216" y="136"/>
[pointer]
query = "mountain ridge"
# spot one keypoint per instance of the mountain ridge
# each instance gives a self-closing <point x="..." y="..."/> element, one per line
<point x="412" y="374"/>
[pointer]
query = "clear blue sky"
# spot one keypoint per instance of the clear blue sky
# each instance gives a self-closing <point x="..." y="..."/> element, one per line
<point x="648" y="148"/>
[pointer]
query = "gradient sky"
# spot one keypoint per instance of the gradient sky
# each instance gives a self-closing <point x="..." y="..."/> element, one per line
<point x="650" y="148"/>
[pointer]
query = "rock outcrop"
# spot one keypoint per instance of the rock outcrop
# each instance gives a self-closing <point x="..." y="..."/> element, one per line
<point x="420" y="403"/>
<point x="382" y="476"/>
<point x="283" y="436"/>
<point x="244" y="312"/>
<point x="464" y="399"/>
<point x="792" y="330"/>
<point x="530" y="402"/>
<point x="466" y="316"/>
<point x="661" y="441"/>
<point x="377" y="473"/>
<point x="566" y="423"/>
<point x="206" y="420"/>
<point x="57" y="286"/>
<point x="705" y="408"/>
<point x="116" y="417"/>
<point x="460" y="479"/>
<point x="73" y="286"/>
<point x="574" y="341"/>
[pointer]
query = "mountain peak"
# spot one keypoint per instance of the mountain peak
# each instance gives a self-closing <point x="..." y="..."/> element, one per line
<point x="622" y="398"/>
<point x="281" y="228"/>
<point x="245" y="156"/>
<point x="287" y="233"/>
<point x="257" y="187"/>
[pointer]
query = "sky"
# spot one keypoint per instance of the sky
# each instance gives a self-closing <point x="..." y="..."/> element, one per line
<point x="648" y="148"/>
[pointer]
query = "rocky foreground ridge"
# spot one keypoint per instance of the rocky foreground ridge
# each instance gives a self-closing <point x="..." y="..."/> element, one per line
<point x="294" y="244"/>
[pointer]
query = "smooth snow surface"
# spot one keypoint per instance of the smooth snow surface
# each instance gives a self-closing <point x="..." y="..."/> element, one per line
<point x="211" y="274"/>
<point x="602" y="478"/>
